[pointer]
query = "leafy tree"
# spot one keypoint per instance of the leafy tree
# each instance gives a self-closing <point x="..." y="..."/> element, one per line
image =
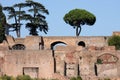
<point x="79" y="17"/>
<point x="2" y="16"/>
<point x="19" y="13"/>
<point x="114" y="41"/>
<point x="35" y="18"/>
<point x="12" y="14"/>
<point x="16" y="15"/>
<point x="1" y="33"/>
<point x="2" y="25"/>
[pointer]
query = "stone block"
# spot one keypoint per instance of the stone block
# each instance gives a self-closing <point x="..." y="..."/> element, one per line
<point x="92" y="48"/>
<point x="109" y="48"/>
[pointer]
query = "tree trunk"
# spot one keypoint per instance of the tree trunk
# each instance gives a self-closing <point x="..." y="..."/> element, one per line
<point x="18" y="31"/>
<point x="6" y="30"/>
<point x="78" y="30"/>
<point x="19" y="26"/>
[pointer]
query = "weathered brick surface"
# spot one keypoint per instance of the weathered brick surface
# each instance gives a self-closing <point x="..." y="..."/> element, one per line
<point x="18" y="60"/>
<point x="74" y="56"/>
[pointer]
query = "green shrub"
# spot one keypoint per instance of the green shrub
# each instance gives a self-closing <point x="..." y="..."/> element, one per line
<point x="76" y="78"/>
<point x="73" y="78"/>
<point x="42" y="79"/>
<point x="53" y="79"/>
<point x="79" y="78"/>
<point x="35" y="79"/>
<point x="106" y="79"/>
<point x="99" y="61"/>
<point x="23" y="77"/>
<point x="114" y="41"/>
<point x="5" y="77"/>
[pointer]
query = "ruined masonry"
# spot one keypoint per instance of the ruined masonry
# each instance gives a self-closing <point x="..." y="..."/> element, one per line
<point x="60" y="57"/>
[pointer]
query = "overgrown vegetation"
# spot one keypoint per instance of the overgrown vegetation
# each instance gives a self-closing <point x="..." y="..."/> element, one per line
<point x="99" y="61"/>
<point x="21" y="77"/>
<point x="114" y="41"/>
<point x="76" y="78"/>
<point x="27" y="77"/>
<point x="105" y="79"/>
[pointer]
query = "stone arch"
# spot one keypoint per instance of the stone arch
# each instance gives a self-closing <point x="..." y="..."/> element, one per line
<point x="107" y="58"/>
<point x="81" y="43"/>
<point x="52" y="46"/>
<point x="57" y="42"/>
<point x="18" y="47"/>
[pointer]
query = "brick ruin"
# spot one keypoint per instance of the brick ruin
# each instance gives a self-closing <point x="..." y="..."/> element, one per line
<point x="60" y="57"/>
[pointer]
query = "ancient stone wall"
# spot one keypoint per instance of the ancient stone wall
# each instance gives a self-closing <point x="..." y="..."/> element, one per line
<point x="39" y="42"/>
<point x="83" y="61"/>
<point x="73" y="41"/>
<point x="34" y="63"/>
<point x="52" y="57"/>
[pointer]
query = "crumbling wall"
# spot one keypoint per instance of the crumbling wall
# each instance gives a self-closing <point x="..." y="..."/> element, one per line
<point x="19" y="61"/>
<point x="77" y="57"/>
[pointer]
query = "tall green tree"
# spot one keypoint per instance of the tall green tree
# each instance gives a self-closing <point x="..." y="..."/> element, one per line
<point x="2" y="36"/>
<point x="36" y="19"/>
<point x="16" y="16"/>
<point x="32" y="13"/>
<point x="12" y="14"/>
<point x="78" y="18"/>
<point x="19" y="14"/>
<point x="2" y="24"/>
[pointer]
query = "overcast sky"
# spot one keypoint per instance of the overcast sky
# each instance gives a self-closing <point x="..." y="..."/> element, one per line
<point x="107" y="14"/>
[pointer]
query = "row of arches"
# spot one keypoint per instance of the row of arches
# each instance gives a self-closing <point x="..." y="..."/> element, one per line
<point x="52" y="46"/>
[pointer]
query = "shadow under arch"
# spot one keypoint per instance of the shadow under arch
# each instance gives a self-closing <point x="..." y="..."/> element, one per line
<point x="52" y="46"/>
<point x="57" y="43"/>
<point x="81" y="43"/>
<point x="18" y="47"/>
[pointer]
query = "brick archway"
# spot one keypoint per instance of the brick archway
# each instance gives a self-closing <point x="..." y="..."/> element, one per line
<point x="108" y="58"/>
<point x="81" y="43"/>
<point x="55" y="43"/>
<point x="18" y="47"/>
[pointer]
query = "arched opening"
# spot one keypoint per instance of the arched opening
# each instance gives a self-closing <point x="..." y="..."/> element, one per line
<point x="53" y="47"/>
<point x="107" y="58"/>
<point x="57" y="43"/>
<point x="81" y="43"/>
<point x="18" y="47"/>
